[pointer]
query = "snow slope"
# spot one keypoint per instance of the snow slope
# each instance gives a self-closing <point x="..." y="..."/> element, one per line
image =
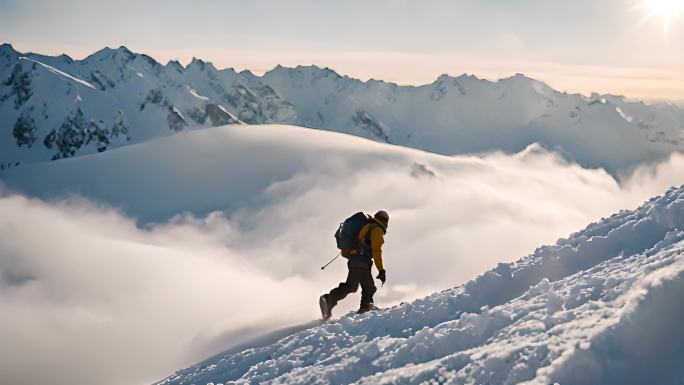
<point x="222" y="168"/>
<point x="56" y="107"/>
<point x="249" y="211"/>
<point x="602" y="306"/>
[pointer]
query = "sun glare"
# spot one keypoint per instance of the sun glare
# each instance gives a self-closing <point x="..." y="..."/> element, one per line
<point x="666" y="10"/>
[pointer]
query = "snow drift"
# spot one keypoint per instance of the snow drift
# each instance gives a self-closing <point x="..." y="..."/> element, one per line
<point x="601" y="306"/>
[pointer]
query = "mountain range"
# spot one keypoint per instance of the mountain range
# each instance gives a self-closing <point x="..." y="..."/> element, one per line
<point x="54" y="107"/>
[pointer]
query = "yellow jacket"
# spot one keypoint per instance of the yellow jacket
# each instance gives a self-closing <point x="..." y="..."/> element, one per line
<point x="377" y="239"/>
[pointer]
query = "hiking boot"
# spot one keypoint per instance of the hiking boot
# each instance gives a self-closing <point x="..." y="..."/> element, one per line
<point x="326" y="309"/>
<point x="366" y="308"/>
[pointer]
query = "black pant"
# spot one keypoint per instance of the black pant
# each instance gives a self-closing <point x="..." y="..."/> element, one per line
<point x="359" y="273"/>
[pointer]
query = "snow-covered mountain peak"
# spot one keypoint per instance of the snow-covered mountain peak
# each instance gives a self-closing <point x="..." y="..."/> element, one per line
<point x="200" y="65"/>
<point x="247" y="73"/>
<point x="6" y="48"/>
<point x="311" y="71"/>
<point x="7" y="55"/>
<point x="461" y="83"/>
<point x="66" y="58"/>
<point x="314" y="69"/>
<point x="122" y="53"/>
<point x="443" y="78"/>
<point x="523" y="82"/>
<point x="175" y="65"/>
<point x="464" y="76"/>
<point x="519" y="77"/>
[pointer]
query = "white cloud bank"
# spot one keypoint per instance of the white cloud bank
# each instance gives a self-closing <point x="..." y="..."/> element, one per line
<point x="86" y="296"/>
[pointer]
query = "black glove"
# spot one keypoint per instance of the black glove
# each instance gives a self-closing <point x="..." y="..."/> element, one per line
<point x="381" y="276"/>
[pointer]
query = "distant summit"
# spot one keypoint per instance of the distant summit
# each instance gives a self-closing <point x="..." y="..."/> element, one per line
<point x="119" y="97"/>
<point x="109" y="53"/>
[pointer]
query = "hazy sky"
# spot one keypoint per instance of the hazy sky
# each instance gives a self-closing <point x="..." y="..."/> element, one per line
<point x="578" y="46"/>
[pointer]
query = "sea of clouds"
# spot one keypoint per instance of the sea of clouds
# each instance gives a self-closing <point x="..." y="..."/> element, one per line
<point x="89" y="294"/>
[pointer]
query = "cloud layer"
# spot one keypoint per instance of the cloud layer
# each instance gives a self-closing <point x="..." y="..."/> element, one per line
<point x="88" y="296"/>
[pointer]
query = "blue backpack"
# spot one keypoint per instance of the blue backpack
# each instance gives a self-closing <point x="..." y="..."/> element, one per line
<point x="347" y="235"/>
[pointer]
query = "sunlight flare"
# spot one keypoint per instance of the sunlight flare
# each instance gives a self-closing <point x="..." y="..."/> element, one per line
<point x="666" y="10"/>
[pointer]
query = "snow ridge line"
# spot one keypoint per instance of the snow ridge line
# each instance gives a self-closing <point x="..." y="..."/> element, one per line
<point x="629" y="238"/>
<point x="542" y="336"/>
<point x="59" y="73"/>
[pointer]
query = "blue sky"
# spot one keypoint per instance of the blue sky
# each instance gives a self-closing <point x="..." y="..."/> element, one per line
<point x="578" y="46"/>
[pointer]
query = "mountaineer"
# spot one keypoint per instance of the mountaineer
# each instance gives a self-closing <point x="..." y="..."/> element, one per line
<point x="360" y="239"/>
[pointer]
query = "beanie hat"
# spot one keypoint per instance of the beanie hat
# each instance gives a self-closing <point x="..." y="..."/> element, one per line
<point x="382" y="216"/>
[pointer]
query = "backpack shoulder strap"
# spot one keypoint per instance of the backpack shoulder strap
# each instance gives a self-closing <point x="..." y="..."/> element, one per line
<point x="364" y="232"/>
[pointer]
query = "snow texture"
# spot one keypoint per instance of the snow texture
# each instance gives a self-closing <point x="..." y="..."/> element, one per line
<point x="453" y="115"/>
<point x="602" y="306"/>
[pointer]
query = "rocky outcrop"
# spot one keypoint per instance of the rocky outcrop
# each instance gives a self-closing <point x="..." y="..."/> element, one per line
<point x="120" y="126"/>
<point x="25" y="130"/>
<point x="366" y="122"/>
<point x="20" y="86"/>
<point x="175" y="119"/>
<point x="217" y="115"/>
<point x="76" y="132"/>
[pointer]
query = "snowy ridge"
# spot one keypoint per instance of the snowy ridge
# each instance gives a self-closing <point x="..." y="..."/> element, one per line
<point x="602" y="306"/>
<point x="464" y="114"/>
<point x="116" y="97"/>
<point x="60" y="73"/>
<point x="55" y="107"/>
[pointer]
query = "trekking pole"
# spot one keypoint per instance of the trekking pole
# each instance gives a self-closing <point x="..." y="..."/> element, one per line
<point x="331" y="261"/>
